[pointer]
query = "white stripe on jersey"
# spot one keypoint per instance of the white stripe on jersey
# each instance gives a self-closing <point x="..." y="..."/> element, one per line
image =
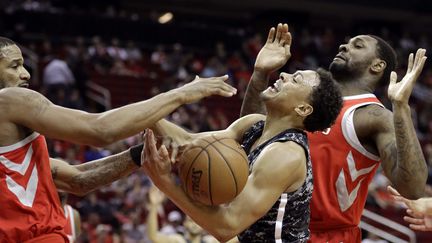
<point x="279" y="219"/>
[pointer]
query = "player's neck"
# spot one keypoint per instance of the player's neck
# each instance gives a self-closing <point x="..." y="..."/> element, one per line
<point x="354" y="88"/>
<point x="275" y="125"/>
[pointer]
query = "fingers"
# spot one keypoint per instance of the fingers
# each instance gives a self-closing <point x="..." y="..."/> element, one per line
<point x="410" y="62"/>
<point x="279" y="31"/>
<point x="415" y="223"/>
<point x="392" y="191"/>
<point x="150" y="145"/>
<point x="412" y="220"/>
<point x="223" y="88"/>
<point x="271" y="35"/>
<point x="163" y="152"/>
<point x="393" y="78"/>
<point x="413" y="214"/>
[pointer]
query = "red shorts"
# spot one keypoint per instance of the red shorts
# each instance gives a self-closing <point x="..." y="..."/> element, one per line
<point x="348" y="235"/>
<point x="48" y="238"/>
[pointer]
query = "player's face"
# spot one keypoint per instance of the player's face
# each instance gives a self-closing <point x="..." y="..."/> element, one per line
<point x="292" y="89"/>
<point x="354" y="57"/>
<point x="12" y="71"/>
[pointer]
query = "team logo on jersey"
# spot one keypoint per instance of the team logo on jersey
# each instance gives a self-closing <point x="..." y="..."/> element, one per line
<point x="25" y="195"/>
<point x="345" y="198"/>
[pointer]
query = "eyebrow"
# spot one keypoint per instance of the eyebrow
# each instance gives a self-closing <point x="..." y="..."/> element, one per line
<point x="18" y="60"/>
<point x="298" y="73"/>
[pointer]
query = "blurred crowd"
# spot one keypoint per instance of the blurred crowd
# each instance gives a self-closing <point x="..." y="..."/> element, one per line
<point x="65" y="66"/>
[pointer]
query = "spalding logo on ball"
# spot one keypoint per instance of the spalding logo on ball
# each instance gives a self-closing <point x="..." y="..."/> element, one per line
<point x="213" y="170"/>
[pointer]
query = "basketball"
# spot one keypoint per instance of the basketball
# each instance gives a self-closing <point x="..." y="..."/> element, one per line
<point x="213" y="170"/>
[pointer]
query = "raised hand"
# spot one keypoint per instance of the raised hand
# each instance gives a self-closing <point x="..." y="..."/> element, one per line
<point x="276" y="51"/>
<point x="399" y="92"/>
<point x="203" y="87"/>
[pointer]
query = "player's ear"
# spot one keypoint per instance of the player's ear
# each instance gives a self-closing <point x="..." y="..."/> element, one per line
<point x="378" y="65"/>
<point x="304" y="110"/>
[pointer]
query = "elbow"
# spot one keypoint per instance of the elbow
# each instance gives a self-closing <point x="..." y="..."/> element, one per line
<point x="413" y="192"/>
<point x="224" y="233"/>
<point x="101" y="135"/>
<point x="224" y="236"/>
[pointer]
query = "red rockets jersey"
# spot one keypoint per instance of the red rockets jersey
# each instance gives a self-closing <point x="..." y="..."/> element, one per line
<point x="342" y="170"/>
<point x="30" y="206"/>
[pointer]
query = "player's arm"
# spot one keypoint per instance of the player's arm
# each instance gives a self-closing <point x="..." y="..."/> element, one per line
<point x="156" y="199"/>
<point x="181" y="136"/>
<point x="32" y="110"/>
<point x="402" y="158"/>
<point x="83" y="178"/>
<point x="272" y="56"/>
<point x="265" y="184"/>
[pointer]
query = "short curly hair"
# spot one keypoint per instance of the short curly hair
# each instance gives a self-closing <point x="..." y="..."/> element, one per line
<point x="326" y="100"/>
<point x="4" y="42"/>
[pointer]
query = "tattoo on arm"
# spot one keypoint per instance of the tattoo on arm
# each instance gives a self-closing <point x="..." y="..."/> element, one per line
<point x="402" y="157"/>
<point x="54" y="172"/>
<point x="102" y="172"/>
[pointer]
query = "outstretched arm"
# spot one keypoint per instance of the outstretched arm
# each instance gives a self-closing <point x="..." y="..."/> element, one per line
<point x="402" y="158"/>
<point x="156" y="199"/>
<point x="272" y="56"/>
<point x="251" y="204"/>
<point x="32" y="110"/>
<point x="83" y="178"/>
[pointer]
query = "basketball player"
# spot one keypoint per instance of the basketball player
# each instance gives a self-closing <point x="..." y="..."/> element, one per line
<point x="346" y="156"/>
<point x="419" y="211"/>
<point x="31" y="210"/>
<point x="73" y="219"/>
<point x="274" y="204"/>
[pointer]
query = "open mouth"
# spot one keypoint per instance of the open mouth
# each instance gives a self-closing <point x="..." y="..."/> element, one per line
<point x="275" y="87"/>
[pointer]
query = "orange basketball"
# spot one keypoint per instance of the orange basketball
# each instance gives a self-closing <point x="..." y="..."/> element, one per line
<point x="213" y="170"/>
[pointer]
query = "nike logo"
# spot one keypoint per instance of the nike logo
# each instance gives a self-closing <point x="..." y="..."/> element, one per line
<point x="25" y="195"/>
<point x="345" y="198"/>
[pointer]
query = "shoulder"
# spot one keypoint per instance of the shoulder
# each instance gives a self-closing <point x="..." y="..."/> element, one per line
<point x="240" y="126"/>
<point x="282" y="157"/>
<point x="251" y="119"/>
<point x="281" y="165"/>
<point x="372" y="119"/>
<point x="20" y="96"/>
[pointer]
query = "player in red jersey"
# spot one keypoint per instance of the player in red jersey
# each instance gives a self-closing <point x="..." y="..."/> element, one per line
<point x="365" y="134"/>
<point x="29" y="179"/>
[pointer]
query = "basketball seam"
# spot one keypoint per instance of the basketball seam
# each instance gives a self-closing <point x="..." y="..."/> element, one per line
<point x="230" y="168"/>
<point x="245" y="158"/>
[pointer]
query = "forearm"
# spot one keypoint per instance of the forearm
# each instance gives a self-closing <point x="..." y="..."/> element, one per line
<point x="251" y="102"/>
<point x="152" y="223"/>
<point x="101" y="172"/>
<point x="166" y="128"/>
<point x="410" y="173"/>
<point x="131" y="119"/>
<point x="215" y="220"/>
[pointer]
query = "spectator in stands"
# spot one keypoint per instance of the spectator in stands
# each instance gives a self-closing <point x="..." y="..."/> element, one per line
<point x="57" y="76"/>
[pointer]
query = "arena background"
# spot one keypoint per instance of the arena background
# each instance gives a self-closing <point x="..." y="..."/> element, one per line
<point x="124" y="51"/>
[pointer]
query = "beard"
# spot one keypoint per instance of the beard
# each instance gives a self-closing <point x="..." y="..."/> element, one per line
<point x="340" y="71"/>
